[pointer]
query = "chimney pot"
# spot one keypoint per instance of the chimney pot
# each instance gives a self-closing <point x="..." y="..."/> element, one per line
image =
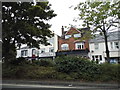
<point x="62" y="30"/>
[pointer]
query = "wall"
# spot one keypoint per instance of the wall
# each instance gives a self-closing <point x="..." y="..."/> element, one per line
<point x="101" y="51"/>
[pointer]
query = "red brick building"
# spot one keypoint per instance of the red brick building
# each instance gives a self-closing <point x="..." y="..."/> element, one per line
<point x="71" y="42"/>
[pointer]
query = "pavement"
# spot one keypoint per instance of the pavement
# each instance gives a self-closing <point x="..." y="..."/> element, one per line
<point x="63" y="83"/>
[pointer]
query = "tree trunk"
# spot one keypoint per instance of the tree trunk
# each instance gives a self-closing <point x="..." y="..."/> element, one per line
<point x="106" y="45"/>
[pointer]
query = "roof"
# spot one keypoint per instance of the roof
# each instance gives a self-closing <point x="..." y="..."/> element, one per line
<point x="112" y="36"/>
<point x="74" y="30"/>
<point x="26" y="47"/>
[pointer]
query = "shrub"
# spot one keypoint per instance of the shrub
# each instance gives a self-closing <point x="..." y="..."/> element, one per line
<point x="69" y="64"/>
<point x="109" y="72"/>
<point x="81" y="67"/>
<point x="19" y="61"/>
<point x="64" y="68"/>
<point x="44" y="62"/>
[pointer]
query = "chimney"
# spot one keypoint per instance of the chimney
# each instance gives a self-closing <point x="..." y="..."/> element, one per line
<point x="62" y="30"/>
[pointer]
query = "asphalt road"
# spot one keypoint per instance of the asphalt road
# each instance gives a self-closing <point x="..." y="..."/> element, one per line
<point x="49" y="87"/>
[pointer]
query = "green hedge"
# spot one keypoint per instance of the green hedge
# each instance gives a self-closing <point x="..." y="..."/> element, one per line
<point x="63" y="68"/>
<point x="81" y="67"/>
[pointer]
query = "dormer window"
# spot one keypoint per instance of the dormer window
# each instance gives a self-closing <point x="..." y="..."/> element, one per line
<point x="77" y="35"/>
<point x="67" y="36"/>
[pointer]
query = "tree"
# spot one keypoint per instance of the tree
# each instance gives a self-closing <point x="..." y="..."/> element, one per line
<point x="100" y="17"/>
<point x="24" y="23"/>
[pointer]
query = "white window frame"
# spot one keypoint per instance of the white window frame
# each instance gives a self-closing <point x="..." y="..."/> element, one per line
<point x="116" y="46"/>
<point x="68" y="36"/>
<point x="79" y="44"/>
<point x="99" y="57"/>
<point x="51" y="49"/>
<point x="64" y="47"/>
<point x="33" y="51"/>
<point x="24" y="53"/>
<point x="42" y="50"/>
<point x="111" y="45"/>
<point x="96" y="45"/>
<point x="77" y="35"/>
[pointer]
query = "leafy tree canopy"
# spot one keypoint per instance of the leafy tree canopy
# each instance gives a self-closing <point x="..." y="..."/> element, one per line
<point x="25" y="23"/>
<point x="100" y="17"/>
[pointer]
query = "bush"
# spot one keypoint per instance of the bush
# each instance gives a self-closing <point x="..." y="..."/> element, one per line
<point x="44" y="62"/>
<point x="36" y="72"/>
<point x="69" y="64"/>
<point x="64" y="68"/>
<point x="19" y="61"/>
<point x="81" y="67"/>
<point x="109" y="72"/>
<point x="14" y="71"/>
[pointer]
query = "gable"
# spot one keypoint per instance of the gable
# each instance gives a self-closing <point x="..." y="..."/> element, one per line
<point x="72" y="31"/>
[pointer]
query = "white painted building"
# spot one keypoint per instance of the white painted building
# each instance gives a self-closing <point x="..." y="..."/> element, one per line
<point x="44" y="51"/>
<point x="97" y="48"/>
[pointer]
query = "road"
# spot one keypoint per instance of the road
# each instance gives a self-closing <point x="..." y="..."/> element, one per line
<point x="50" y="87"/>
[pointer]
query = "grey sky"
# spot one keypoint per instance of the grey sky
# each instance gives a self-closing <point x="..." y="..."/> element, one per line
<point x="65" y="14"/>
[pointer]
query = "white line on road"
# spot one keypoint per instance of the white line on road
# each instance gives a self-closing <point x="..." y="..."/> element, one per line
<point x="39" y="86"/>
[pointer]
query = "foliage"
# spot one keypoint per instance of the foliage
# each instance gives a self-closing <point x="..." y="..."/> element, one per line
<point x="36" y="72"/>
<point x="109" y="72"/>
<point x="44" y="62"/>
<point x="70" y="64"/>
<point x="80" y="70"/>
<point x="24" y="23"/>
<point x="100" y="17"/>
<point x="19" y="61"/>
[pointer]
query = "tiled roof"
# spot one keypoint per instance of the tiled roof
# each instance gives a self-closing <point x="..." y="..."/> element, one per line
<point x="26" y="47"/>
<point x="112" y="36"/>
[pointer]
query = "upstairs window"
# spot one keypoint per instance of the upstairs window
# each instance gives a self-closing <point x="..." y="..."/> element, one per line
<point x="116" y="44"/>
<point x="42" y="50"/>
<point x="77" y="35"/>
<point x="67" y="36"/>
<point x="111" y="43"/>
<point x="64" y="46"/>
<point x="51" y="49"/>
<point x="79" y="45"/>
<point x="24" y="53"/>
<point x="96" y="46"/>
<point x="33" y="51"/>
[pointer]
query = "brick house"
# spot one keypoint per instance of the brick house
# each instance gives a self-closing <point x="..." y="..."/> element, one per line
<point x="71" y="43"/>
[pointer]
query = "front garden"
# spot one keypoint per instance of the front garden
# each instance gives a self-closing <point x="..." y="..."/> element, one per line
<point x="70" y="68"/>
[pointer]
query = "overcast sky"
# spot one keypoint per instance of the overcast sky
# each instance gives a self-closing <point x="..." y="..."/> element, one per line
<point x="65" y="14"/>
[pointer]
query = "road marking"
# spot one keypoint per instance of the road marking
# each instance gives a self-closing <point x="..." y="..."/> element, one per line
<point x="36" y="86"/>
<point x="53" y="86"/>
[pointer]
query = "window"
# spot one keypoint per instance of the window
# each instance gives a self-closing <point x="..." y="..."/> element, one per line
<point x="96" y="46"/>
<point x="33" y="51"/>
<point x="111" y="43"/>
<point x="67" y="36"/>
<point x="97" y="57"/>
<point x="79" y="45"/>
<point x="100" y="57"/>
<point x="24" y="53"/>
<point x="93" y="58"/>
<point x="77" y="35"/>
<point x="64" y="46"/>
<point x="42" y="50"/>
<point x="116" y="44"/>
<point x="51" y="49"/>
